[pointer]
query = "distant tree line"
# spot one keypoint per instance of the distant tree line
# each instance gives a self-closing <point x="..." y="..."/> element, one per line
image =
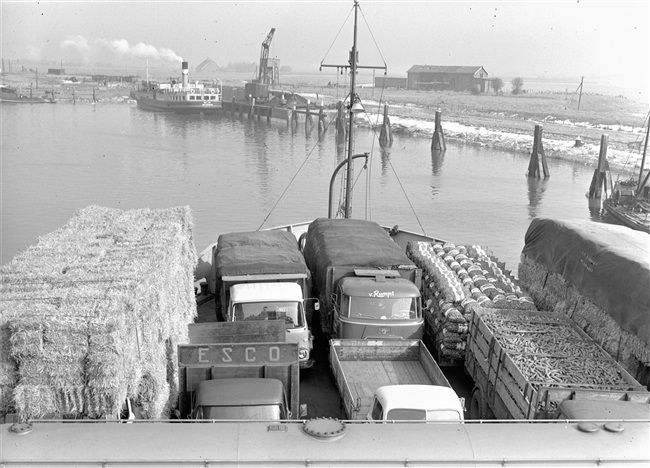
<point x="516" y="83"/>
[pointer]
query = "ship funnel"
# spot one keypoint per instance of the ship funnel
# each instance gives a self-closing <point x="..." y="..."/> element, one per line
<point x="184" y="77"/>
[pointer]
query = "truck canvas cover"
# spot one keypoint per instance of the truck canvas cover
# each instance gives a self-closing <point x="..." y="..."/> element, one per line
<point x="350" y="242"/>
<point x="606" y="263"/>
<point x="258" y="252"/>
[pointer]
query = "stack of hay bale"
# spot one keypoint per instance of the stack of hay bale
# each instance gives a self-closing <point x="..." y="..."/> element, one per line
<point x="457" y="279"/>
<point x="93" y="313"/>
<point x="598" y="275"/>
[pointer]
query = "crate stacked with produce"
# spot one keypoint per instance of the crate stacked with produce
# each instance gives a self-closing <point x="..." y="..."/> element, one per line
<point x="457" y="279"/>
<point x="599" y="275"/>
<point x="535" y="360"/>
<point x="92" y="314"/>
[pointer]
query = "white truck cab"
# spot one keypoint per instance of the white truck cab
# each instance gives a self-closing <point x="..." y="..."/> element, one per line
<point x="416" y="403"/>
<point x="274" y="301"/>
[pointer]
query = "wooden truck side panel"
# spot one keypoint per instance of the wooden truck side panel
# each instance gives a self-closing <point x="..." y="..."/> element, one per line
<point x="217" y="350"/>
<point x="360" y="367"/>
<point x="510" y="393"/>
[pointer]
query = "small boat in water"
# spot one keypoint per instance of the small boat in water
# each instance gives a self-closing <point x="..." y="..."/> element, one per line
<point x="13" y="95"/>
<point x="629" y="203"/>
<point x="179" y="97"/>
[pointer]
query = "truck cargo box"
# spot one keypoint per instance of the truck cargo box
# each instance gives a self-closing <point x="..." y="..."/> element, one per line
<point x="527" y="362"/>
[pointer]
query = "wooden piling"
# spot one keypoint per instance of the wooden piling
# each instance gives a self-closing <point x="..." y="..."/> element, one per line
<point x="602" y="177"/>
<point x="537" y="155"/>
<point x="294" y="118"/>
<point x="340" y="124"/>
<point x="386" y="134"/>
<point x="438" y="140"/>
<point x="321" y="120"/>
<point x="251" y="111"/>
<point x="309" y="122"/>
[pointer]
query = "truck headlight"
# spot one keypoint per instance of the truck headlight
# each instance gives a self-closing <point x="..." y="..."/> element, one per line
<point x="303" y="353"/>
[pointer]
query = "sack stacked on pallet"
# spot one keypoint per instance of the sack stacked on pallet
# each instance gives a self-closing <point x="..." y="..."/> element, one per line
<point x="455" y="280"/>
<point x="94" y="312"/>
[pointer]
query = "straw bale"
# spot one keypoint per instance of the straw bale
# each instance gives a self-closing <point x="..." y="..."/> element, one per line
<point x="550" y="291"/>
<point x="109" y="290"/>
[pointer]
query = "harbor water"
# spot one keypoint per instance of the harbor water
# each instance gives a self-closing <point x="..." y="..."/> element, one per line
<point x="241" y="174"/>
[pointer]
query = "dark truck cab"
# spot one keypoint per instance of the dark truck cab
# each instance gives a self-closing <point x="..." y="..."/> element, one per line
<point x="369" y="307"/>
<point x="367" y="286"/>
<point x="241" y="399"/>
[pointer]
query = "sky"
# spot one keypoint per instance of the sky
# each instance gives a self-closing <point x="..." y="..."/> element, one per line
<point x="562" y="38"/>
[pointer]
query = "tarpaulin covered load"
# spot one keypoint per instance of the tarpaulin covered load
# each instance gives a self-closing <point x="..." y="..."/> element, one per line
<point x="350" y="242"/>
<point x="608" y="264"/>
<point x="258" y="252"/>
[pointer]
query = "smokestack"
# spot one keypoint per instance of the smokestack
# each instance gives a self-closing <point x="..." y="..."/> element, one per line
<point x="184" y="77"/>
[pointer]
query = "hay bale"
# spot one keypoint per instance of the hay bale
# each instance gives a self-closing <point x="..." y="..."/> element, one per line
<point x="93" y="306"/>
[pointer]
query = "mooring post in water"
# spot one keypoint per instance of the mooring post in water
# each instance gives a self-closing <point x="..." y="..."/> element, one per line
<point x="74" y="96"/>
<point x="536" y="155"/>
<point x="251" y="111"/>
<point x="386" y="134"/>
<point x="95" y="96"/>
<point x="438" y="139"/>
<point x="294" y="118"/>
<point x="321" y="120"/>
<point x="340" y="124"/>
<point x="602" y="175"/>
<point x="309" y="121"/>
<point x="232" y="109"/>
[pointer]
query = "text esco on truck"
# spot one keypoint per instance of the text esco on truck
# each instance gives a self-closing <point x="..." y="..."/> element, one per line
<point x="274" y="301"/>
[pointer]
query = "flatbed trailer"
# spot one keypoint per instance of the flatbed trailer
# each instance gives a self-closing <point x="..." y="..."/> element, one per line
<point x="525" y="363"/>
<point x="360" y="367"/>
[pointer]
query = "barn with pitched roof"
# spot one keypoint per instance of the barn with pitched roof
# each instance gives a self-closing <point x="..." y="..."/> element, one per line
<point x="438" y="77"/>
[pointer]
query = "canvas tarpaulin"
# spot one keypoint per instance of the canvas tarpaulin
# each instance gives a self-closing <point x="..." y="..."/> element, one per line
<point x="350" y="242"/>
<point x="608" y="264"/>
<point x="258" y="252"/>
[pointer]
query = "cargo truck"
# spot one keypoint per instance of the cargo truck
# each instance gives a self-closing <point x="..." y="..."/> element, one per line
<point x="262" y="275"/>
<point x="526" y="363"/>
<point x="368" y="288"/>
<point x="239" y="371"/>
<point x="392" y="380"/>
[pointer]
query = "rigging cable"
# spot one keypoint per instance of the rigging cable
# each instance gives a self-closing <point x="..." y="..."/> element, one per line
<point x="327" y="125"/>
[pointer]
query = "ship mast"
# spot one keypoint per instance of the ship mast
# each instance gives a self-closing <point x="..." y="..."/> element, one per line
<point x="353" y="74"/>
<point x="354" y="106"/>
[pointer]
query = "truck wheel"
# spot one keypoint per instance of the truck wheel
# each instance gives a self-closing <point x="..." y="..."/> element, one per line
<point x="478" y="407"/>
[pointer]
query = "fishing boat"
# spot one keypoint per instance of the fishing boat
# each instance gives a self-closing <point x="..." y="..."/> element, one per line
<point x="13" y="95"/>
<point x="629" y="203"/>
<point x="180" y="97"/>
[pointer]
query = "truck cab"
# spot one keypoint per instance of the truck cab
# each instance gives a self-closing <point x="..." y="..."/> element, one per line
<point x="377" y="307"/>
<point x="241" y="399"/>
<point x="416" y="403"/>
<point x="274" y="301"/>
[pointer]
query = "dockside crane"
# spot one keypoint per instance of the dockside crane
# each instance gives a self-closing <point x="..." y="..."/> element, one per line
<point x="266" y="74"/>
<point x="263" y="75"/>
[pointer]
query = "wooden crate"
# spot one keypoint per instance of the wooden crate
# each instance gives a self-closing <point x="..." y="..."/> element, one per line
<point x="528" y="399"/>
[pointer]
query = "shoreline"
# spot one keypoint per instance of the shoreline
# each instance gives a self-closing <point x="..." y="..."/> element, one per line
<point x="504" y="121"/>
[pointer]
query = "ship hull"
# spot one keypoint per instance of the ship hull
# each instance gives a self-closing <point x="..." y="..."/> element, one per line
<point x="148" y="103"/>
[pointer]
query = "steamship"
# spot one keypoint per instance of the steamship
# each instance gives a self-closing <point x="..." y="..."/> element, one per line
<point x="181" y="97"/>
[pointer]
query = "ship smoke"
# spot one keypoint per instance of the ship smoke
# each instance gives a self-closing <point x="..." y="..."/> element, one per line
<point x="120" y="47"/>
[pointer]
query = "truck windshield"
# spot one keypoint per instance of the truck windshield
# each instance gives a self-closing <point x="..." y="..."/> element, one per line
<point x="261" y="412"/>
<point x="289" y="311"/>
<point x="395" y="308"/>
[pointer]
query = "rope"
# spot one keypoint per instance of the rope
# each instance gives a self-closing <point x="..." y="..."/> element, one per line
<point x="327" y="124"/>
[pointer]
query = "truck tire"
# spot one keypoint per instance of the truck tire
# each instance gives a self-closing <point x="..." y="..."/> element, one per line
<point x="478" y="407"/>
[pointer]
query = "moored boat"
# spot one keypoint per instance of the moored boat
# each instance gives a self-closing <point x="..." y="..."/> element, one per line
<point x="13" y="95"/>
<point x="179" y="97"/>
<point x="629" y="203"/>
